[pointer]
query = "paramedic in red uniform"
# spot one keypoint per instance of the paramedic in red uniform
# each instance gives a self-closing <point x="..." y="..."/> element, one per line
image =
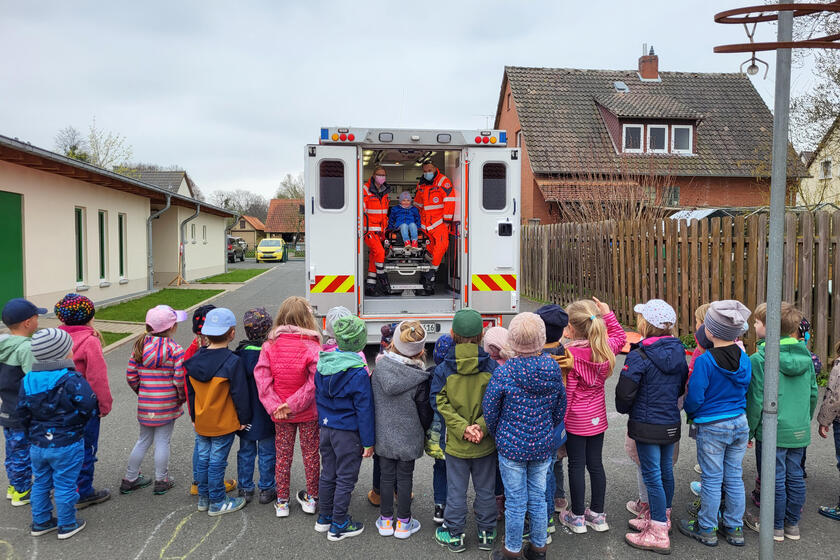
<point x="375" y="210"/>
<point x="435" y="199"/>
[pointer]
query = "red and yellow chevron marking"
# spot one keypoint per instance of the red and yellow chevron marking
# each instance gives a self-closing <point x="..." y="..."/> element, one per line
<point x="494" y="282"/>
<point x="333" y="284"/>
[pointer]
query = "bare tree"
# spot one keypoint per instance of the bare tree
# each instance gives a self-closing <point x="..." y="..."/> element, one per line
<point x="71" y="143"/>
<point x="108" y="150"/>
<point x="291" y="186"/>
<point x="242" y="202"/>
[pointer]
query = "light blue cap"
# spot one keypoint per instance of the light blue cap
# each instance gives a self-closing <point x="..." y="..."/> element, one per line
<point x="218" y="322"/>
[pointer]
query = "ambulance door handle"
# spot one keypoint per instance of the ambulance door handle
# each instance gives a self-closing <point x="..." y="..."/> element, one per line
<point x="313" y="204"/>
<point x="514" y="207"/>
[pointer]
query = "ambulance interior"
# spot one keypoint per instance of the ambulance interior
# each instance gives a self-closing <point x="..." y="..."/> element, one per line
<point x="403" y="169"/>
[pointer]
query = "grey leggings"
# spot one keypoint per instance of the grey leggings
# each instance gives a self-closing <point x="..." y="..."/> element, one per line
<point x="160" y="435"/>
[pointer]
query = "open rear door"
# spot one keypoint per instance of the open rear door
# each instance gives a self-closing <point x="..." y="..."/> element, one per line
<point x="493" y="229"/>
<point x="331" y="178"/>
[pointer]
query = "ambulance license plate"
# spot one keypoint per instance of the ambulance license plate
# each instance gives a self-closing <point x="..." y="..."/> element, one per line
<point x="431" y="328"/>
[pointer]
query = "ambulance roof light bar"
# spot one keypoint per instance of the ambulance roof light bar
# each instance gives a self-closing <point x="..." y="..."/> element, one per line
<point x="412" y="137"/>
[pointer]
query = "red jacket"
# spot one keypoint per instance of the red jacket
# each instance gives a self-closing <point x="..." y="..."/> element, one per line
<point x="90" y="362"/>
<point x="375" y="207"/>
<point x="285" y="372"/>
<point x="436" y="201"/>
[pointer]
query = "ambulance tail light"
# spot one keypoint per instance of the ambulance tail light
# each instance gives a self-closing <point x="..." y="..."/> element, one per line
<point x="478" y="139"/>
<point x="485" y="140"/>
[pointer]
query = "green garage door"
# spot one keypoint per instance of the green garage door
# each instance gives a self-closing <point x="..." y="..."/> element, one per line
<point x="11" y="247"/>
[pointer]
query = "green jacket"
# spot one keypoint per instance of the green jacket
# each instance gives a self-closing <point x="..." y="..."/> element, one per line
<point x="797" y="394"/>
<point x="458" y="388"/>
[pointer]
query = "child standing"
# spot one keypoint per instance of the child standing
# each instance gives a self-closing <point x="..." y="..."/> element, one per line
<point x="333" y="315"/>
<point x="256" y="442"/>
<point x="716" y="402"/>
<point x="21" y="318"/>
<point x="457" y="391"/>
<point x="797" y="403"/>
<point x="524" y="406"/>
<point x="55" y="404"/>
<point x="400" y="386"/>
<point x="406" y="218"/>
<point x="285" y="377"/>
<point x="649" y="389"/>
<point x="156" y="373"/>
<point x="76" y="313"/>
<point x="436" y="437"/>
<point x="218" y="391"/>
<point x="495" y="343"/>
<point x="828" y="415"/>
<point x="595" y="337"/>
<point x="345" y="414"/>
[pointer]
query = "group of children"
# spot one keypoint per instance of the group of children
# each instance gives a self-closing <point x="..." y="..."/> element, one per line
<point x="500" y="407"/>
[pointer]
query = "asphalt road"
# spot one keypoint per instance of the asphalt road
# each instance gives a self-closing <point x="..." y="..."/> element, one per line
<point x="144" y="526"/>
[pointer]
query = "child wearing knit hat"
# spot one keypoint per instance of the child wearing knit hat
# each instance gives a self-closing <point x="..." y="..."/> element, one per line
<point x="495" y="343"/>
<point x="436" y="436"/>
<point x="458" y="387"/>
<point x="55" y="404"/>
<point x="76" y="313"/>
<point x="524" y="407"/>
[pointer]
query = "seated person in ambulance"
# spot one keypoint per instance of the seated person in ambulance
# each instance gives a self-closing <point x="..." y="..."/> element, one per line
<point x="375" y="210"/>
<point x="435" y="199"/>
<point x="405" y="218"/>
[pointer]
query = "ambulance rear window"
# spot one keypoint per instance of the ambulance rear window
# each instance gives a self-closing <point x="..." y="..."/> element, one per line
<point x="494" y="186"/>
<point x="331" y="185"/>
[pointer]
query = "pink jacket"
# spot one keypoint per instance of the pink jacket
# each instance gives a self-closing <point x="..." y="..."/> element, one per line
<point x="90" y="362"/>
<point x="285" y="372"/>
<point x="586" y="409"/>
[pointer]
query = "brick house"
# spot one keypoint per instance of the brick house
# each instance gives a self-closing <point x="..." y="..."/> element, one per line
<point x="674" y="139"/>
<point x="285" y="219"/>
<point x="250" y="229"/>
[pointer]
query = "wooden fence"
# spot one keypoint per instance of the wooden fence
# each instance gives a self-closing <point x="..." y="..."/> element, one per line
<point x="688" y="264"/>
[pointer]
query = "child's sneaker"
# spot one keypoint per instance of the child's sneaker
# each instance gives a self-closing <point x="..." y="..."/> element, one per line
<point x="268" y="495"/>
<point x="95" y="497"/>
<point x="779" y="535"/>
<point x="230" y="486"/>
<point x="69" y="530"/>
<point x="575" y="523"/>
<point x="455" y="543"/>
<point x="414" y="244"/>
<point x="832" y="512"/>
<point x="552" y="525"/>
<point x="697" y="469"/>
<point x="695" y="487"/>
<point x="385" y="526"/>
<point x="733" y="535"/>
<point x="694" y="507"/>
<point x="20" y="498"/>
<point x="637" y="507"/>
<point x="38" y="529"/>
<point x="374" y="498"/>
<point x="408" y="244"/>
<point x="194" y="488"/>
<point x="307" y="502"/>
<point x="129" y="486"/>
<point x="163" y="486"/>
<point x="9" y="491"/>
<point x="405" y="529"/>
<point x="560" y="505"/>
<point x="322" y="524"/>
<point x="691" y="528"/>
<point x="486" y="539"/>
<point x="438" y="516"/>
<point x="228" y="505"/>
<point x="203" y="503"/>
<point x="247" y="494"/>
<point x="350" y="528"/>
<point x="281" y="508"/>
<point x="751" y="521"/>
<point x="792" y="532"/>
<point x="598" y="521"/>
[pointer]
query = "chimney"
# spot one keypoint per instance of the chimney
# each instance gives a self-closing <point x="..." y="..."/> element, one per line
<point x="649" y="66"/>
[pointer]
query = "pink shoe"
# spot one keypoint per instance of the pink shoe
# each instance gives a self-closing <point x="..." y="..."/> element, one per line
<point x="408" y="244"/>
<point x="637" y="507"/>
<point x="641" y="523"/>
<point x="414" y="244"/>
<point x="654" y="538"/>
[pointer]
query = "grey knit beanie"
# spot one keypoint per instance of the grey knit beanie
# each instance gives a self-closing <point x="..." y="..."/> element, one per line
<point x="727" y="319"/>
<point x="333" y="315"/>
<point x="51" y="344"/>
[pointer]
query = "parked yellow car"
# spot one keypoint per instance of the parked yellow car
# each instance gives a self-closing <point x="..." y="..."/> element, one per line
<point x="271" y="250"/>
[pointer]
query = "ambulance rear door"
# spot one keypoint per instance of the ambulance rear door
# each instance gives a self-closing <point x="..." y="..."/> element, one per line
<point x="332" y="240"/>
<point x="493" y="229"/>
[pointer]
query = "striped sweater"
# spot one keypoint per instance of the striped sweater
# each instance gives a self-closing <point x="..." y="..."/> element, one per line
<point x="586" y="412"/>
<point x="158" y="381"/>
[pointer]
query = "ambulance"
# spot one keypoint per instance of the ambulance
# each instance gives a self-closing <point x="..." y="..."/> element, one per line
<point x="481" y="267"/>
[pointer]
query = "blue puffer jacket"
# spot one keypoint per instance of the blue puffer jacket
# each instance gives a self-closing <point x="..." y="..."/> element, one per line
<point x="524" y="405"/>
<point x="55" y="403"/>
<point x="651" y="382"/>
<point x="399" y="216"/>
<point x="344" y="395"/>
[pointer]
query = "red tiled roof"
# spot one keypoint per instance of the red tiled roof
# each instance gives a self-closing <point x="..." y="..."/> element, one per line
<point x="256" y="223"/>
<point x="285" y="216"/>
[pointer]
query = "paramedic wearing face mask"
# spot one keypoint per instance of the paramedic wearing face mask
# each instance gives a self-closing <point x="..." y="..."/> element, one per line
<point x="435" y="199"/>
<point x="376" y="202"/>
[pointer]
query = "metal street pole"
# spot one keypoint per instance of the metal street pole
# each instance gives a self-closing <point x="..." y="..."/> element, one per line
<point x="778" y="191"/>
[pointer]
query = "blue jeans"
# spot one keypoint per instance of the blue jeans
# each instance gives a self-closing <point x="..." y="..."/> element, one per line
<point x="524" y="490"/>
<point x="250" y="449"/>
<point x="91" y="443"/>
<point x="195" y="459"/>
<point x="212" y="462"/>
<point x="18" y="464"/>
<point x="56" y="468"/>
<point x="439" y="482"/>
<point x="790" y="487"/>
<point x="720" y="451"/>
<point x="408" y="232"/>
<point x="657" y="464"/>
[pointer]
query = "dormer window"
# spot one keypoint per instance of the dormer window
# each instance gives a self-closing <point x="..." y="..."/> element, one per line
<point x="657" y="139"/>
<point x="681" y="139"/>
<point x="632" y="138"/>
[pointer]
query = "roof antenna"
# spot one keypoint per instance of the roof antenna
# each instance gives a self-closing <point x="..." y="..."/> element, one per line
<point x="651" y="53"/>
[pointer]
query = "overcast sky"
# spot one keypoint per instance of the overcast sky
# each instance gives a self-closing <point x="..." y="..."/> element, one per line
<point x="232" y="91"/>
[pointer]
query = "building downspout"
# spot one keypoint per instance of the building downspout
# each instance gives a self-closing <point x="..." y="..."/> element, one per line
<point x="150" y="248"/>
<point x="184" y="241"/>
<point x="236" y="217"/>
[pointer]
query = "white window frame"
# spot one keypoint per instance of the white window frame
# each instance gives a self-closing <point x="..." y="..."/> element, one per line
<point x="192" y="233"/>
<point x="663" y="127"/>
<point x="822" y="168"/>
<point x="204" y="234"/>
<point x="102" y="245"/>
<point x="122" y="232"/>
<point x="690" y="138"/>
<point x="624" y="139"/>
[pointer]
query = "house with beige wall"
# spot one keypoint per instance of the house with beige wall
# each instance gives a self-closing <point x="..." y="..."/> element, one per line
<point x="68" y="226"/>
<point x="823" y="184"/>
<point x="250" y="229"/>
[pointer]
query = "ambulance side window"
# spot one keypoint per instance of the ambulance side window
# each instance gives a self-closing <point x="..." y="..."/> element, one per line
<point x="494" y="186"/>
<point x="331" y="185"/>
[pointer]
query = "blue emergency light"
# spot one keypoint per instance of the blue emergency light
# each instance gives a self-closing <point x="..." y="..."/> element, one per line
<point x="502" y="137"/>
<point x="325" y="134"/>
